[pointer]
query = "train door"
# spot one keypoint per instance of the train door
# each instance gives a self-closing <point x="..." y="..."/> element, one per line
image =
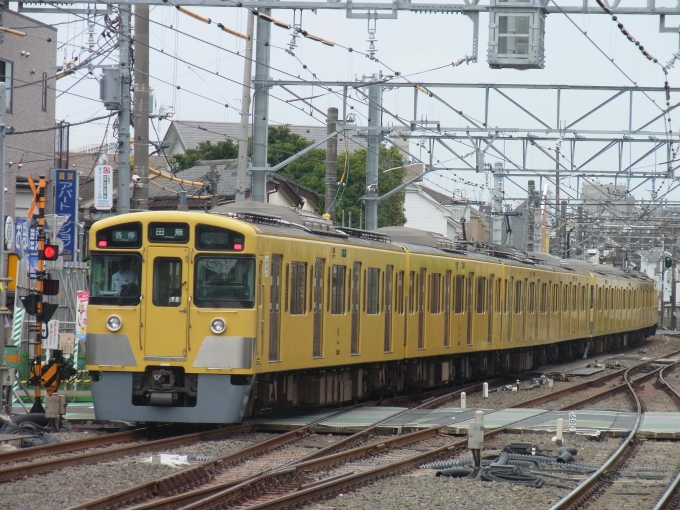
<point x="470" y="282"/>
<point x="259" y="343"/>
<point x="489" y="310"/>
<point x="318" y="307"/>
<point x="275" y="308"/>
<point x="166" y="311"/>
<point x="355" y="306"/>
<point x="388" y="308"/>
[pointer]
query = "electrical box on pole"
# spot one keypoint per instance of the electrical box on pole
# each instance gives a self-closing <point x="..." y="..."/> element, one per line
<point x="110" y="88"/>
<point x="516" y="34"/>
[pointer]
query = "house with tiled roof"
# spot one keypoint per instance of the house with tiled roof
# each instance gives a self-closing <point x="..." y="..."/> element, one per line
<point x="183" y="135"/>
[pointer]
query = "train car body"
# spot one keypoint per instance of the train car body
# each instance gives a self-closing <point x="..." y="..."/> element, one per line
<point x="198" y="318"/>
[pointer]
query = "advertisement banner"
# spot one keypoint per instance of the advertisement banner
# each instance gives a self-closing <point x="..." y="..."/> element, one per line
<point x="66" y="204"/>
<point x="83" y="296"/>
<point x="103" y="187"/>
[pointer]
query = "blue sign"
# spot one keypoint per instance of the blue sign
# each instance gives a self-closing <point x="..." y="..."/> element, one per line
<point x="26" y="243"/>
<point x="66" y="204"/>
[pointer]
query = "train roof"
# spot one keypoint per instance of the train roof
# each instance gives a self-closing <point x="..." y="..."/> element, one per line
<point x="276" y="219"/>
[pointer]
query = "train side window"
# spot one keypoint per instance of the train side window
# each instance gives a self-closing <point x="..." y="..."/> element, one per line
<point x="422" y="292"/>
<point x="435" y="293"/>
<point x="338" y="290"/>
<point x="518" y="297"/>
<point x="599" y="298"/>
<point x="481" y="294"/>
<point x="574" y="303"/>
<point x="565" y="298"/>
<point x="592" y="296"/>
<point x="328" y="290"/>
<point x="298" y="290"/>
<point x="311" y="288"/>
<point x="400" y="292"/>
<point x="382" y="290"/>
<point x="532" y="298"/>
<point x="544" y="298"/>
<point x="373" y="306"/>
<point x="458" y="305"/>
<point x="365" y="292"/>
<point x="411" y="292"/>
<point x="506" y="302"/>
<point x="285" y="299"/>
<point x="497" y="299"/>
<point x="583" y="298"/>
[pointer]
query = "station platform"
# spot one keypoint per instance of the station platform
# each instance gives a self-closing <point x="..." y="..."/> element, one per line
<point x="455" y="421"/>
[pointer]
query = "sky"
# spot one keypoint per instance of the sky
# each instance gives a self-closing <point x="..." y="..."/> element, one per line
<point x="209" y="69"/>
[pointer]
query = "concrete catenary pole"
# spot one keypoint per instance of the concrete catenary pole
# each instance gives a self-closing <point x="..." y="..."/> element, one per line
<point x="258" y="190"/>
<point x="531" y="225"/>
<point x="242" y="168"/>
<point x="497" y="206"/>
<point x="3" y="296"/>
<point x="331" y="162"/>
<point x="674" y="320"/>
<point x="140" y="191"/>
<point x="123" y="205"/>
<point x="372" y="157"/>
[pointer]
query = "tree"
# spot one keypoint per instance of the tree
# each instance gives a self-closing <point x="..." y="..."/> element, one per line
<point x="224" y="149"/>
<point x="310" y="171"/>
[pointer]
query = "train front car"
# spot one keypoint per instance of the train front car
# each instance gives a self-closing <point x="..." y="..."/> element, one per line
<point x="171" y="318"/>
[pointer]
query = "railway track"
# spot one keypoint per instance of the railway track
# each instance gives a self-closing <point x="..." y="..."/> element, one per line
<point x="616" y="482"/>
<point x="184" y="482"/>
<point x="336" y="468"/>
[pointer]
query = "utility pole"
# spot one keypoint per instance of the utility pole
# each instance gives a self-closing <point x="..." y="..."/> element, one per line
<point x="3" y="296"/>
<point x="674" y="321"/>
<point x="558" y="240"/>
<point x="331" y="163"/>
<point x="530" y="216"/>
<point x="242" y="168"/>
<point x="258" y="189"/>
<point x="140" y="191"/>
<point x="497" y="206"/>
<point x="372" y="157"/>
<point x="124" y="115"/>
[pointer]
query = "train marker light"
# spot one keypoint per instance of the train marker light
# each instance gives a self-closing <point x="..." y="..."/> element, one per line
<point x="218" y="326"/>
<point x="668" y="261"/>
<point x="101" y="243"/>
<point x="51" y="252"/>
<point x="238" y="246"/>
<point x="114" y="323"/>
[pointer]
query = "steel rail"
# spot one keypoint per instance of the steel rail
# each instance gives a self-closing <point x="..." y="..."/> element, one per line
<point x="589" y="484"/>
<point x="673" y="491"/>
<point x="203" y="472"/>
<point x="113" y="453"/>
<point x="675" y="395"/>
<point x="196" y="474"/>
<point x="75" y="445"/>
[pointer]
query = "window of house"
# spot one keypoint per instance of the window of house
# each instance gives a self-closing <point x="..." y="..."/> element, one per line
<point x="44" y="92"/>
<point x="338" y="290"/>
<point x="6" y="75"/>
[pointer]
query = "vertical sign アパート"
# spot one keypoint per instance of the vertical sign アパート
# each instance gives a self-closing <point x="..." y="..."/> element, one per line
<point x="66" y="204"/>
<point x="103" y="187"/>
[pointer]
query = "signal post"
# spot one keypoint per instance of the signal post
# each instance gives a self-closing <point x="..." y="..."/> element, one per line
<point x="50" y="374"/>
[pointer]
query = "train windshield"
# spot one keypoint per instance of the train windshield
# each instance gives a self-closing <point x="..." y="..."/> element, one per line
<point x="224" y="282"/>
<point x="115" y="279"/>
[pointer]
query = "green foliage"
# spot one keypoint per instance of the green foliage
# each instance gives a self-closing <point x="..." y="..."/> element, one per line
<point x="224" y="149"/>
<point x="310" y="171"/>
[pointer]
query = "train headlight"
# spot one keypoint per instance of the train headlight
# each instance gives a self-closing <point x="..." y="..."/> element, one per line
<point x="114" y="323"/>
<point x="218" y="326"/>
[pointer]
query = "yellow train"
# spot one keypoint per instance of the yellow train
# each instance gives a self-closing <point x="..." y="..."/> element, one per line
<point x="202" y="318"/>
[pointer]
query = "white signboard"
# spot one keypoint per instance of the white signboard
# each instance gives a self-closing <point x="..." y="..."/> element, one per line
<point x="52" y="340"/>
<point x="103" y="187"/>
<point x="572" y="422"/>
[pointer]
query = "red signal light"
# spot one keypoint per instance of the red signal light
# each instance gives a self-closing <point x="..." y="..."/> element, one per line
<point x="51" y="252"/>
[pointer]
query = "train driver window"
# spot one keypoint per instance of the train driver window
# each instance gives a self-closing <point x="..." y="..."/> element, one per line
<point x="224" y="282"/>
<point x="115" y="279"/>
